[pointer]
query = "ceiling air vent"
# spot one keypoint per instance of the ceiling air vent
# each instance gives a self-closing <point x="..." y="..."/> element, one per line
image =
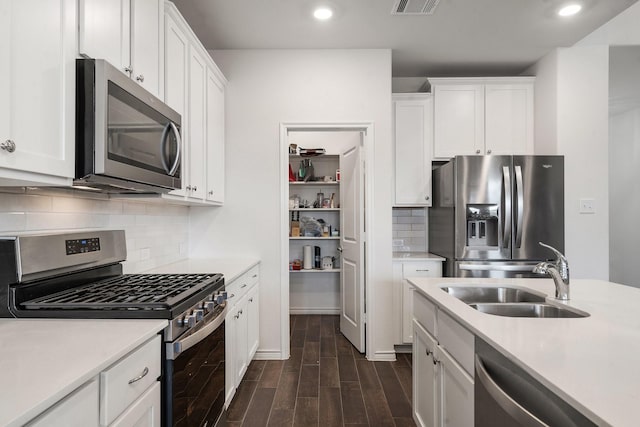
<point x="414" y="7"/>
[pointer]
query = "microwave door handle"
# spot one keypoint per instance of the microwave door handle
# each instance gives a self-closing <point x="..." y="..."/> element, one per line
<point x="520" y="205"/>
<point x="506" y="217"/>
<point x="171" y="171"/>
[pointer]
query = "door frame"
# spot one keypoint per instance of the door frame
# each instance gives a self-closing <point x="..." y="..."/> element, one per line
<point x="367" y="144"/>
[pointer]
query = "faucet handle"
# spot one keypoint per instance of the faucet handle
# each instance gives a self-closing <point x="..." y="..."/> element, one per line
<point x="555" y="251"/>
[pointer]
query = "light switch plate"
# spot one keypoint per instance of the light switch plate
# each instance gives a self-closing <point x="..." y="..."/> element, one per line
<point x="587" y="206"/>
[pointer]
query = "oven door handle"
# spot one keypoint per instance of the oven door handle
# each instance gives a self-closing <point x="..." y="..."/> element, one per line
<point x="176" y="348"/>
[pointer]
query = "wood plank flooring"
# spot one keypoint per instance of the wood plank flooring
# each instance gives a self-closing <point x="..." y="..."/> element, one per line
<point x="325" y="382"/>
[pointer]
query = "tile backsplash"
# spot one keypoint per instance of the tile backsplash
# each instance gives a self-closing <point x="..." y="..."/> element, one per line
<point x="409" y="229"/>
<point x="156" y="233"/>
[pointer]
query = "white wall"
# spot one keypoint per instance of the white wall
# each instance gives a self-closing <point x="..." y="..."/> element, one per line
<point x="624" y="162"/>
<point x="156" y="234"/>
<point x="572" y="118"/>
<point x="267" y="88"/>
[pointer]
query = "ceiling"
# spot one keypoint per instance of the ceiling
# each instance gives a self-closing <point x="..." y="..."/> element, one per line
<point x="462" y="37"/>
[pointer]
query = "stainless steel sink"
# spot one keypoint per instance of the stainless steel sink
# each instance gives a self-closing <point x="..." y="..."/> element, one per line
<point x="480" y="294"/>
<point x="528" y="310"/>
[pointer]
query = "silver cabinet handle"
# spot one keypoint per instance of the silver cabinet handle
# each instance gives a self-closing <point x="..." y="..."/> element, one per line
<point x="254" y="276"/>
<point x="488" y="151"/>
<point x="211" y="192"/>
<point x="477" y="151"/>
<point x="139" y="377"/>
<point x="188" y="188"/>
<point x="426" y="197"/>
<point x="140" y="78"/>
<point x="231" y="296"/>
<point x="423" y="270"/>
<point x="128" y="69"/>
<point x="8" y="146"/>
<point x="243" y="286"/>
<point x="195" y="188"/>
<point x="250" y="299"/>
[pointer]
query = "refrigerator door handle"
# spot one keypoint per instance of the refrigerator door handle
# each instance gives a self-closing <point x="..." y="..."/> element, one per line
<point x="490" y="267"/>
<point x="520" y="205"/>
<point x="506" y="217"/>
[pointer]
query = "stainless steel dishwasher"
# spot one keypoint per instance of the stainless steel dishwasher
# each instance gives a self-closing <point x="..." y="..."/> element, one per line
<point x="506" y="396"/>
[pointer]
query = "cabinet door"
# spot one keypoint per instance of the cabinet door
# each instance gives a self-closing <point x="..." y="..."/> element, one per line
<point x="230" y="355"/>
<point x="407" y="311"/>
<point x="253" y="321"/>
<point x="425" y="378"/>
<point x="413" y="147"/>
<point x="457" y="392"/>
<point x="146" y="34"/>
<point x="79" y="409"/>
<point x="38" y="87"/>
<point x="196" y="120"/>
<point x="458" y="120"/>
<point x="215" y="138"/>
<point x="144" y="412"/>
<point x="105" y="29"/>
<point x="176" y="45"/>
<point x="241" y="339"/>
<point x="509" y="118"/>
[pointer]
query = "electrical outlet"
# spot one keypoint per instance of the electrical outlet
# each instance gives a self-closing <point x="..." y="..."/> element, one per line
<point x="587" y="206"/>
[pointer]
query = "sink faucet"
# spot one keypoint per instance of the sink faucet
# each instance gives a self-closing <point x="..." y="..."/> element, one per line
<point x="558" y="270"/>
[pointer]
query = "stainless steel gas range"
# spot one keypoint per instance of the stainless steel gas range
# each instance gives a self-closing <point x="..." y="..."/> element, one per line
<point x="80" y="275"/>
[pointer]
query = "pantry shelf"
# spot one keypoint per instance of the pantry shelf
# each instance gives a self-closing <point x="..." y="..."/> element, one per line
<point x="315" y="238"/>
<point x="328" y="270"/>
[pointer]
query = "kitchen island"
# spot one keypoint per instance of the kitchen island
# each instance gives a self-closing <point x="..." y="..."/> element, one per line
<point x="44" y="360"/>
<point x="591" y="362"/>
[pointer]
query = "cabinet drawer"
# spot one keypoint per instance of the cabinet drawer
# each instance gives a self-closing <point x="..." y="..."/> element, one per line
<point x="425" y="313"/>
<point x="458" y="341"/>
<point x="237" y="288"/>
<point x="422" y="269"/>
<point x="120" y="386"/>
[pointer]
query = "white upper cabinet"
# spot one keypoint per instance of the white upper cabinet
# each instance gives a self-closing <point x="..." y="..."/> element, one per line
<point x="38" y="42"/>
<point x="215" y="138"/>
<point x="482" y="116"/>
<point x="509" y="118"/>
<point x="195" y="87"/>
<point x="413" y="126"/>
<point x="128" y="34"/>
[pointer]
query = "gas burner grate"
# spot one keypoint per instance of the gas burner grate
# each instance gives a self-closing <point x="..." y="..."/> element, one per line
<point x="129" y="291"/>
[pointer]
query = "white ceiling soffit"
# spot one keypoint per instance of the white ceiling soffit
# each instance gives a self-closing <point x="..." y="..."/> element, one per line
<point x="414" y="7"/>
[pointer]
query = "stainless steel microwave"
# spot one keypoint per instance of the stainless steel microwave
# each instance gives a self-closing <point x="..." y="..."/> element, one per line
<point x="127" y="140"/>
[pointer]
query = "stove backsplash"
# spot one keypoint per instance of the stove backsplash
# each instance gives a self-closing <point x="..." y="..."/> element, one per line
<point x="156" y="234"/>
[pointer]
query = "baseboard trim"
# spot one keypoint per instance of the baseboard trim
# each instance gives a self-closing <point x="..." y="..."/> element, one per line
<point x="268" y="355"/>
<point x="302" y="310"/>
<point x="383" y="356"/>
<point x="403" y="348"/>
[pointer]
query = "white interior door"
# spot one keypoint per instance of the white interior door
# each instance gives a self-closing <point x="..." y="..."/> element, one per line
<point x="352" y="297"/>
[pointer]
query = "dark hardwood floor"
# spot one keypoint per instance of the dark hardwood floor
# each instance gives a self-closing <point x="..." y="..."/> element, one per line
<point x="325" y="382"/>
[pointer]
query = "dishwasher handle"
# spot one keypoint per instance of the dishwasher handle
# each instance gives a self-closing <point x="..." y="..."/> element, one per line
<point x="506" y="402"/>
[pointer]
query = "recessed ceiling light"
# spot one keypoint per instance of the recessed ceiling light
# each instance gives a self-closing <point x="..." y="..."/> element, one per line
<point x="323" y="13"/>
<point x="570" y="9"/>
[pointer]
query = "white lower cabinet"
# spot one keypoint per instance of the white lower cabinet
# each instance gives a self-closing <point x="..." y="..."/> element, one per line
<point x="403" y="293"/>
<point x="442" y="381"/>
<point x="126" y="394"/>
<point x="79" y="409"/>
<point x="242" y="328"/>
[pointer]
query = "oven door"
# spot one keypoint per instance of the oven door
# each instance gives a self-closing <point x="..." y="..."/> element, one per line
<point x="195" y="374"/>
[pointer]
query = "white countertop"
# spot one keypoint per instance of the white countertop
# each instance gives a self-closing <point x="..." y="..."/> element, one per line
<point x="231" y="268"/>
<point x="593" y="363"/>
<point x="416" y="256"/>
<point x="43" y="360"/>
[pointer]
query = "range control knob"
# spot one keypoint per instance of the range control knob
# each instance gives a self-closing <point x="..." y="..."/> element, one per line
<point x="220" y="297"/>
<point x="199" y="314"/>
<point x="190" y="320"/>
<point x="209" y="306"/>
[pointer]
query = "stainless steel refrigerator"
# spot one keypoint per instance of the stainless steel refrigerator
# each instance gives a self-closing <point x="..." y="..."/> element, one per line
<point x="490" y="212"/>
